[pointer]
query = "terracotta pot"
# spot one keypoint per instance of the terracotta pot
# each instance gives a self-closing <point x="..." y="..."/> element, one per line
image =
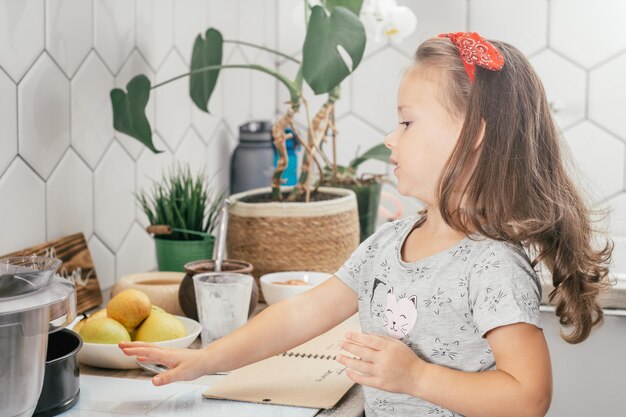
<point x="187" y="294"/>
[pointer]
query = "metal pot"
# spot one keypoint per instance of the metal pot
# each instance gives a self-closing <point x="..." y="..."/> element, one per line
<point x="61" y="382"/>
<point x="25" y="322"/>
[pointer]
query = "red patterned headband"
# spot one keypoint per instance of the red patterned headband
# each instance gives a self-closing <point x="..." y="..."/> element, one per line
<point x="475" y="50"/>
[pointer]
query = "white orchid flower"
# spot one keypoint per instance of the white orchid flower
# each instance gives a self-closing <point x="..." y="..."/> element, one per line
<point x="385" y="19"/>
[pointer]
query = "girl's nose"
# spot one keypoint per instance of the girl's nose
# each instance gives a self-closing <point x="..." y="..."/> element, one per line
<point x="388" y="140"/>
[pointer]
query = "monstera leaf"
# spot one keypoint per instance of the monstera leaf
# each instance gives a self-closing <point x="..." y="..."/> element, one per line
<point x="129" y="110"/>
<point x="207" y="52"/>
<point x="323" y="66"/>
<point x="353" y="5"/>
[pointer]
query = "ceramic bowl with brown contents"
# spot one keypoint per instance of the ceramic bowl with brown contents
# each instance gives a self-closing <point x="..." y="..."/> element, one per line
<point x="279" y="286"/>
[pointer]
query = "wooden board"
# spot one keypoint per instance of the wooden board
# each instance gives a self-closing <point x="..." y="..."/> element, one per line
<point x="77" y="266"/>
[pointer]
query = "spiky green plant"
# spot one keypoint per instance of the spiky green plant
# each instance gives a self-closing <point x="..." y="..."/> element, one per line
<point x="184" y="201"/>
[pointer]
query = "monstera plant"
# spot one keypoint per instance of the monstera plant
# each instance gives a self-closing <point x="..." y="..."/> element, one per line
<point x="333" y="48"/>
<point x="366" y="186"/>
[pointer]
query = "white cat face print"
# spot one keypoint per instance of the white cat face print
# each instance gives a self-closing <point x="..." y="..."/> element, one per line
<point x="400" y="314"/>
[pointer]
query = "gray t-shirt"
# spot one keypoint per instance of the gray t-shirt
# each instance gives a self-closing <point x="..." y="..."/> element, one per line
<point x="440" y="306"/>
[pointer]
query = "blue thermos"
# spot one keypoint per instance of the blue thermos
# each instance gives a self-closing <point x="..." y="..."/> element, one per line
<point x="254" y="159"/>
<point x="290" y="175"/>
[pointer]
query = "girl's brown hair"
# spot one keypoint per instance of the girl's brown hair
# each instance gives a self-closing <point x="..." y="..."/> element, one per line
<point x="516" y="187"/>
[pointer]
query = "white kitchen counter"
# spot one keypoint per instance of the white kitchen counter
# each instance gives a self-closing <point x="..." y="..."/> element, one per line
<point x="130" y="392"/>
<point x="102" y="396"/>
<point x="588" y="380"/>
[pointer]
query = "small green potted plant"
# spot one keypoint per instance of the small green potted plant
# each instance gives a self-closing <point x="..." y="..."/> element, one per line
<point x="182" y="210"/>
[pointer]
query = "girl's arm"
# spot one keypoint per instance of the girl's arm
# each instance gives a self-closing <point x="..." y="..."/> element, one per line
<point x="276" y="329"/>
<point x="521" y="386"/>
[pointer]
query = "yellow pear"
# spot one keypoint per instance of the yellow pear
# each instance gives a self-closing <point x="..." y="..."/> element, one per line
<point x="103" y="330"/>
<point x="157" y="308"/>
<point x="160" y="326"/>
<point x="130" y="307"/>
<point x="98" y="314"/>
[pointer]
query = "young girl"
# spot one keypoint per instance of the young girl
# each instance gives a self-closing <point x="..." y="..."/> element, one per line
<point x="448" y="299"/>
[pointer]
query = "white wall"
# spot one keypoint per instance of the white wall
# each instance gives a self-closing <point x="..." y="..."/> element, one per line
<point x="63" y="168"/>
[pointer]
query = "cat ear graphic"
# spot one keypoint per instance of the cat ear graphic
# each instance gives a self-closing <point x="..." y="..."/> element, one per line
<point x="377" y="282"/>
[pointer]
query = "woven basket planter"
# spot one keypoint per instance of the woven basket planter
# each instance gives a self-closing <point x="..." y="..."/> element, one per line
<point x="276" y="237"/>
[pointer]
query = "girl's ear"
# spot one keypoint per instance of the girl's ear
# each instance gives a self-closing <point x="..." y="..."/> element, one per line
<point x="481" y="134"/>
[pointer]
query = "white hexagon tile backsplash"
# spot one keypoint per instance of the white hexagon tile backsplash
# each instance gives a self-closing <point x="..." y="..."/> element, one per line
<point x="69" y="35"/>
<point x="114" y="31"/>
<point x="256" y="21"/>
<point x="24" y="217"/>
<point x="104" y="261"/>
<point x="600" y="159"/>
<point x="356" y="136"/>
<point x="236" y="87"/>
<point x="135" y="253"/>
<point x="114" y="184"/>
<point x="588" y="32"/>
<point x="433" y="18"/>
<point x="172" y="103"/>
<point x="73" y="172"/>
<point x="262" y="87"/>
<point x="154" y="27"/>
<point x="529" y="13"/>
<point x="566" y="86"/>
<point x="190" y="18"/>
<point x="149" y="169"/>
<point x="92" y="130"/>
<point x="374" y="96"/>
<point x="22" y="39"/>
<point x="191" y="151"/>
<point x="8" y="121"/>
<point x="607" y="93"/>
<point x="69" y="198"/>
<point x="43" y="115"/>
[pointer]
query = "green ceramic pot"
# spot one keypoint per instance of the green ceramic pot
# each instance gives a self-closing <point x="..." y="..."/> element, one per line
<point x="172" y="255"/>
<point x="368" y="200"/>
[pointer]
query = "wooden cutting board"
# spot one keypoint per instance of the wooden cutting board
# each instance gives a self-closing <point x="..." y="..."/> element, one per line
<point x="77" y="266"/>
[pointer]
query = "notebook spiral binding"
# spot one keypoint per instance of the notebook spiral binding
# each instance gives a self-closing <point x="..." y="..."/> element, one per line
<point x="308" y="355"/>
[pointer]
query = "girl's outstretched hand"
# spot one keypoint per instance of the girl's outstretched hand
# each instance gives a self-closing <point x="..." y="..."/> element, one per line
<point x="184" y="364"/>
<point x="385" y="363"/>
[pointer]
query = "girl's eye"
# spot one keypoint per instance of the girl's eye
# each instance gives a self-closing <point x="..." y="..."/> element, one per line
<point x="406" y="124"/>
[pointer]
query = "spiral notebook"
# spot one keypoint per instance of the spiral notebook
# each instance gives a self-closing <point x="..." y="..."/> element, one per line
<point x="307" y="376"/>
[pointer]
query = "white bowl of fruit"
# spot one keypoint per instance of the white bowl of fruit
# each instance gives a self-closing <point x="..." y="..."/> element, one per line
<point x="279" y="286"/>
<point x="130" y="316"/>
